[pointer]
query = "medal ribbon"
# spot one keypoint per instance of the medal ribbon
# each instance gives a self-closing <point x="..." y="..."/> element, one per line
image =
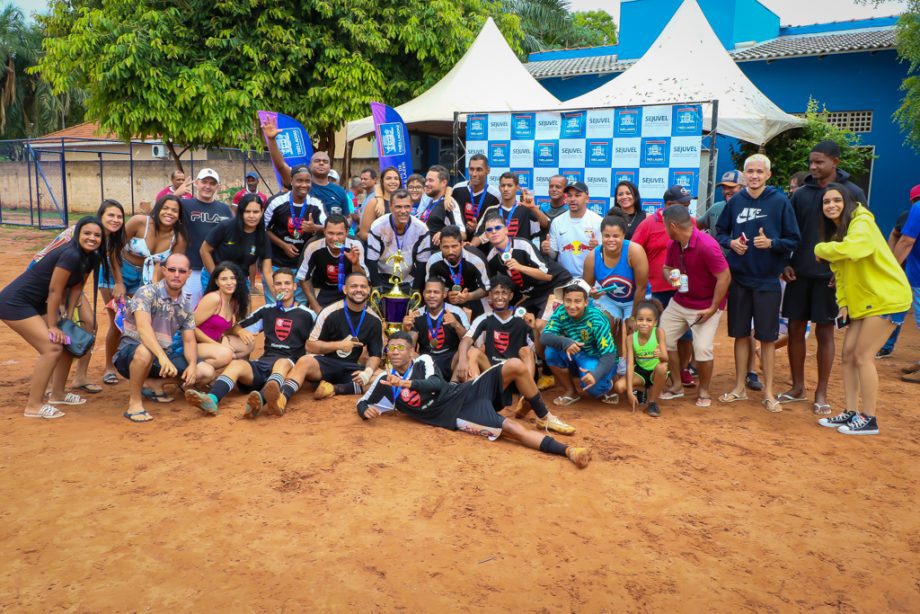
<point x="396" y="234"/>
<point x="296" y="219"/>
<point x="457" y="275"/>
<point x="482" y="199"/>
<point x="351" y="327"/>
<point x="393" y="371"/>
<point x="432" y="329"/>
<point x="423" y="215"/>
<point x="342" y="269"/>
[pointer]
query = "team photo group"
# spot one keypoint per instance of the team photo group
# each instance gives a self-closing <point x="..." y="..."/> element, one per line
<point x="454" y="304"/>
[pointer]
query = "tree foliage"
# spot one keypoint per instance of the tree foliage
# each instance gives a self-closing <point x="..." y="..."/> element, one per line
<point x="789" y="151"/>
<point x="28" y="107"/>
<point x="908" y="45"/>
<point x="548" y="24"/>
<point x="594" y="28"/>
<point x="195" y="71"/>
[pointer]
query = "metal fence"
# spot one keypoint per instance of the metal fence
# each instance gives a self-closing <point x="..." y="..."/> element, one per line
<point x="43" y="181"/>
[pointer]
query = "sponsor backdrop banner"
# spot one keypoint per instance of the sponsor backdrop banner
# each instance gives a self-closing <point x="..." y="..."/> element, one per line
<point x="655" y="147"/>
<point x="392" y="140"/>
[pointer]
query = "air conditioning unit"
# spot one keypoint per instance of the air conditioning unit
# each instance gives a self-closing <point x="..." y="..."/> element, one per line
<point x="160" y="151"/>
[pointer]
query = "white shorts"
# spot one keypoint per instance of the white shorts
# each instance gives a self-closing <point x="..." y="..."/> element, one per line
<point x="676" y="320"/>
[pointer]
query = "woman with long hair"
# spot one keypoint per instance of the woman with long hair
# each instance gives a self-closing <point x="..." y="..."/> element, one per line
<point x="628" y="206"/>
<point x="224" y="304"/>
<point x="241" y="240"/>
<point x="873" y="296"/>
<point x="35" y="302"/>
<point x="150" y="239"/>
<point x="390" y="181"/>
<point x="108" y="278"/>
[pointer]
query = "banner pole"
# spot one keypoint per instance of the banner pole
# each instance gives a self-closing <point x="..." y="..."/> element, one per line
<point x="455" y="172"/>
<point x="710" y="184"/>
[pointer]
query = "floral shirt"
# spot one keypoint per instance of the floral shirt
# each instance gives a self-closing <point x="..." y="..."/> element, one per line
<point x="167" y="315"/>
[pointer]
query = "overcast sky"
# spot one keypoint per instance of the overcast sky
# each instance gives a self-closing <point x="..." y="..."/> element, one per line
<point x="791" y="12"/>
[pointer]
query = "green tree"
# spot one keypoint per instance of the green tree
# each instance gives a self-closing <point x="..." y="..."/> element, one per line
<point x="196" y="71"/>
<point x="593" y="29"/>
<point x="789" y="151"/>
<point x="908" y="114"/>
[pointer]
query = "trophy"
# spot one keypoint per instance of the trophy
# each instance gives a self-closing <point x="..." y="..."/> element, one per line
<point x="393" y="306"/>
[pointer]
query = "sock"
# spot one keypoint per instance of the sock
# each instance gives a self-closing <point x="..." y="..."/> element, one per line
<point x="277" y="378"/>
<point x="551" y="446"/>
<point x="539" y="407"/>
<point x="221" y="388"/>
<point x="349" y="388"/>
<point x="289" y="388"/>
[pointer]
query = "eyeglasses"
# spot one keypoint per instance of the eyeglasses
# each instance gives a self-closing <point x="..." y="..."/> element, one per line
<point x="493" y="228"/>
<point x="398" y="347"/>
<point x="172" y="269"/>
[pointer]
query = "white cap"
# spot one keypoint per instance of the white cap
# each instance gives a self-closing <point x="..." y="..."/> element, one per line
<point x="578" y="281"/>
<point x="333" y="174"/>
<point x="208" y="172"/>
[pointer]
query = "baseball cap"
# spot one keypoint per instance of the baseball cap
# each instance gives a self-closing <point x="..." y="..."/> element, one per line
<point x="732" y="178"/>
<point x="333" y="174"/>
<point x="577" y="185"/>
<point x="578" y="282"/>
<point x="677" y="194"/>
<point x="208" y="172"/>
<point x="251" y="175"/>
<point x="915" y="192"/>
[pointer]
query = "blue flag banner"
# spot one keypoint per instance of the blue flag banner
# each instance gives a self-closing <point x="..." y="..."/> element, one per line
<point x="293" y="140"/>
<point x="654" y="147"/>
<point x="392" y="140"/>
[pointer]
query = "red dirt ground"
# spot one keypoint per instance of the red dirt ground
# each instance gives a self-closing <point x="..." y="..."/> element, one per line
<point x="726" y="509"/>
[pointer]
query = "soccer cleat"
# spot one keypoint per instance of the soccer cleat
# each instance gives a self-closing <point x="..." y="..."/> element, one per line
<point x="324" y="390"/>
<point x="254" y="405"/>
<point x="545" y="382"/>
<point x="202" y="401"/>
<point x="860" y="425"/>
<point x="274" y="400"/>
<point x="554" y="423"/>
<point x="838" y="420"/>
<point x="580" y="456"/>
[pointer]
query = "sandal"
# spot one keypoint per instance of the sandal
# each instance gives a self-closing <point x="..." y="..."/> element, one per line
<point x="565" y="400"/>
<point x="911" y="368"/>
<point x="667" y="395"/>
<point x="731" y="397"/>
<point x="133" y="416"/>
<point x="159" y="397"/>
<point x="48" y="412"/>
<point x="704" y="402"/>
<point x="821" y="409"/>
<point x="772" y="405"/>
<point x="89" y="388"/>
<point x="70" y="398"/>
<point x="109" y="378"/>
<point x="785" y="397"/>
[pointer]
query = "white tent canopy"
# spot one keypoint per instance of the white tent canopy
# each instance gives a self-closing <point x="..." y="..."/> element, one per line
<point x="489" y="77"/>
<point x="687" y="63"/>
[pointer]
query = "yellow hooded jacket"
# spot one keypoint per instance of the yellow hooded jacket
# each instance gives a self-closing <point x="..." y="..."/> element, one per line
<point x="869" y="280"/>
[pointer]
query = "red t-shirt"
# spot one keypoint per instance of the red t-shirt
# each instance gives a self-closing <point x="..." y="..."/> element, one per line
<point x="239" y="195"/>
<point x="701" y="261"/>
<point x="652" y="236"/>
<point x="169" y="190"/>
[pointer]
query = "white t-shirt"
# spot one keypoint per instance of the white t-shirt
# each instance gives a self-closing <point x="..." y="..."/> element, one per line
<point x="570" y="237"/>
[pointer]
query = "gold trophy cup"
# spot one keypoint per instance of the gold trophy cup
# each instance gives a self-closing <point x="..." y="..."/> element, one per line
<point x="393" y="306"/>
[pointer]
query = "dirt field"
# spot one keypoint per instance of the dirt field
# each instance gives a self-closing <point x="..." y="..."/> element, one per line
<point x="726" y="509"/>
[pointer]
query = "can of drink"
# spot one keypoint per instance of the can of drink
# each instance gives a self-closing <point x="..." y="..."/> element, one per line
<point x="674" y="276"/>
<point x="684" y="284"/>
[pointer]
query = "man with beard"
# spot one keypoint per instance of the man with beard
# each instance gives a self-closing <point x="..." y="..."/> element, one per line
<point x="438" y="327"/>
<point x="327" y="263"/>
<point x="442" y="210"/>
<point x="476" y="195"/>
<point x="464" y="269"/>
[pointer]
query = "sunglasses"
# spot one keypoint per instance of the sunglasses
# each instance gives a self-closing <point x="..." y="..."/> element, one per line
<point x="493" y="228"/>
<point x="398" y="347"/>
<point x="172" y="269"/>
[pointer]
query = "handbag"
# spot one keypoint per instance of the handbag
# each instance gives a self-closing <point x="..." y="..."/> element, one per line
<point x="77" y="340"/>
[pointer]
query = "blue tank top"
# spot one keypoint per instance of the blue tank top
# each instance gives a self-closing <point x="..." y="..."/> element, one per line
<point x="619" y="281"/>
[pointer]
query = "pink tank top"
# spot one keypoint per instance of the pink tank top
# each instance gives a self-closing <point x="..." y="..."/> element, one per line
<point x="215" y="326"/>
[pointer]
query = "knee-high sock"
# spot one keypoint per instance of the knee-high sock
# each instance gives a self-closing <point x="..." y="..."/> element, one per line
<point x="539" y="407"/>
<point x="551" y="446"/>
<point x="289" y="388"/>
<point x="221" y="387"/>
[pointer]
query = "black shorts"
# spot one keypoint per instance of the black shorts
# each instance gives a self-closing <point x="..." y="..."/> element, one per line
<point x="443" y="362"/>
<point x="745" y="304"/>
<point x="125" y="354"/>
<point x="810" y="299"/>
<point x="261" y="371"/>
<point x="337" y="370"/>
<point x="15" y="311"/>
<point x="483" y="399"/>
<point x="645" y="376"/>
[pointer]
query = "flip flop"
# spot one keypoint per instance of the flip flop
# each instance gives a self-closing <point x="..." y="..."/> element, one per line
<point x="911" y="377"/>
<point x="69" y="399"/>
<point x="564" y="400"/>
<point x="131" y="416"/>
<point x="911" y="368"/>
<point x="109" y="378"/>
<point x="667" y="395"/>
<point x="821" y="409"/>
<point x="772" y="405"/>
<point x="731" y="397"/>
<point x="89" y="388"/>
<point x="785" y="397"/>
<point x="704" y="402"/>
<point x="159" y="397"/>
<point x="48" y="412"/>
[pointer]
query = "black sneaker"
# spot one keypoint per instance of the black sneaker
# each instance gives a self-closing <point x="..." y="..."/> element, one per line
<point x="653" y="410"/>
<point x="753" y="382"/>
<point x="640" y="396"/>
<point x="860" y="425"/>
<point x="838" y="420"/>
<point x="883" y="353"/>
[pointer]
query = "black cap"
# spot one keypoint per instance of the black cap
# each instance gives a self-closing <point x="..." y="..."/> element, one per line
<point x="677" y="194"/>
<point x="577" y="185"/>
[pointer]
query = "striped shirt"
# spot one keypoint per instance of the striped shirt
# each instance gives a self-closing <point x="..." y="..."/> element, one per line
<point x="592" y="330"/>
